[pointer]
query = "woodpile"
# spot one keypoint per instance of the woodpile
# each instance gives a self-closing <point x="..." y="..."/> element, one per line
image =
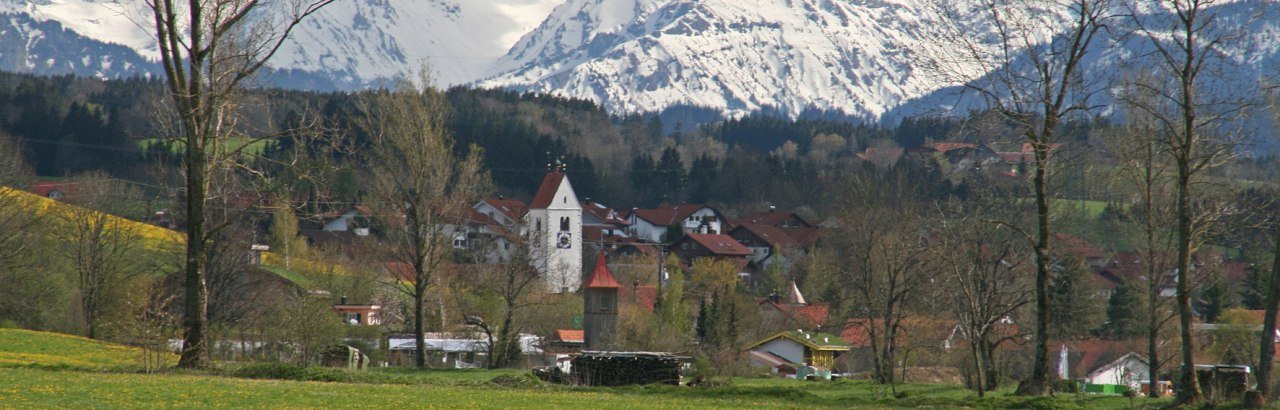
<point x="626" y="368"/>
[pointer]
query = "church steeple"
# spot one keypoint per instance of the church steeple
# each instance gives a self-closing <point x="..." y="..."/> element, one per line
<point x="794" y="297"/>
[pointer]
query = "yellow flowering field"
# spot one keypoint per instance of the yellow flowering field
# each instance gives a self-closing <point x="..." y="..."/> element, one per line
<point x="156" y="237"/>
<point x="31" y="348"/>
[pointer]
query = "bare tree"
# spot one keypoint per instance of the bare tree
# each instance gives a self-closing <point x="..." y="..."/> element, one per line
<point x="984" y="270"/>
<point x="1143" y="169"/>
<point x="1031" y="66"/>
<point x="878" y="259"/>
<point x="515" y="285"/>
<point x="419" y="188"/>
<point x="1191" y="47"/>
<point x="208" y="49"/>
<point x="104" y="250"/>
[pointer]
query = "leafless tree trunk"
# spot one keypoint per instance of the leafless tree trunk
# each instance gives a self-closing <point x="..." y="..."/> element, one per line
<point x="1189" y="43"/>
<point x="1033" y="78"/>
<point x="1143" y="169"/>
<point x="1272" y="292"/>
<point x="421" y="192"/>
<point x="208" y="48"/>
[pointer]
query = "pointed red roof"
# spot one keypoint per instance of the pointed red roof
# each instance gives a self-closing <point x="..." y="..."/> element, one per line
<point x="547" y="191"/>
<point x="600" y="277"/>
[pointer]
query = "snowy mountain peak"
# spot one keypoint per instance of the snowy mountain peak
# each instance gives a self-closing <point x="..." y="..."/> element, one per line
<point x="733" y="55"/>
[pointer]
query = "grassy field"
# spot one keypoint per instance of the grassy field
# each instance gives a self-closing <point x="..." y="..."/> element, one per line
<point x="47" y="370"/>
<point x="22" y="348"/>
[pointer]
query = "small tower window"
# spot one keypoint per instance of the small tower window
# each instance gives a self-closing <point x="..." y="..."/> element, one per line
<point x="537" y="224"/>
<point x="564" y="223"/>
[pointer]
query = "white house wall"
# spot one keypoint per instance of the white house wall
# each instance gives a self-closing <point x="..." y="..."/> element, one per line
<point x="784" y="348"/>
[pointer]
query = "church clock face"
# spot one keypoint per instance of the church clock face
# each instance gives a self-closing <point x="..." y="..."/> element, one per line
<point x="564" y="240"/>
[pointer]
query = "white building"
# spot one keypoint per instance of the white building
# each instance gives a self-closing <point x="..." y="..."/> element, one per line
<point x="554" y="223"/>
<point x="651" y="224"/>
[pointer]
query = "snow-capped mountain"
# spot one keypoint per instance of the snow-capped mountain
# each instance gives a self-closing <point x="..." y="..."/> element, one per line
<point x="349" y="43"/>
<point x="859" y="57"/>
<point x="734" y="55"/>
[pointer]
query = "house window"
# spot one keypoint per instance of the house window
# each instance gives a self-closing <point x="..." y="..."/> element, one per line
<point x="564" y="223"/>
<point x="460" y="243"/>
<point x="537" y="224"/>
<point x="352" y="318"/>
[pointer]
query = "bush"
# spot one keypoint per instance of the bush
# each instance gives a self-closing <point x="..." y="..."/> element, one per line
<point x="1066" y="386"/>
<point x="9" y="324"/>
<point x="270" y="370"/>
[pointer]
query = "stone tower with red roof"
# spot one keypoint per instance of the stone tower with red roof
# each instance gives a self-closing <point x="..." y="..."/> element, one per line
<point x="554" y="224"/>
<point x="600" y="308"/>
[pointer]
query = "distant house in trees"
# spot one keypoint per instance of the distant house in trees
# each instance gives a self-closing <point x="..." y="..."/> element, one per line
<point x="1102" y="362"/>
<point x="792" y="311"/>
<point x="355" y="220"/>
<point x="651" y="224"/>
<point x="505" y="211"/>
<point x="359" y="314"/>
<point x="786" y="352"/>
<point x="719" y="247"/>
<point x="56" y="191"/>
<point x="769" y="245"/>
<point x="779" y="219"/>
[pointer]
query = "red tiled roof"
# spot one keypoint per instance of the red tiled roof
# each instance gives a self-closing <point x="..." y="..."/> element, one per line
<point x="773" y="218"/>
<point x="804" y="236"/>
<point x="570" y="335"/>
<point x="547" y="191"/>
<point x="773" y="236"/>
<point x="948" y="146"/>
<point x="635" y="244"/>
<point x="933" y="332"/>
<point x="718" y="244"/>
<point x="811" y="315"/>
<point x="600" y="277"/>
<point x="1079" y="246"/>
<point x="44" y="188"/>
<point x="1085" y="356"/>
<point x="514" y="209"/>
<point x="667" y="214"/>
<point x="601" y="212"/>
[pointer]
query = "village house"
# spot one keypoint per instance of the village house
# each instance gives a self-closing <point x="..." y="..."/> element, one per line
<point x="771" y="247"/>
<point x="505" y="211"/>
<point x="359" y="314"/>
<point x="651" y="224"/>
<point x="791" y="352"/>
<point x="1102" y="362"/>
<point x="791" y="312"/>
<point x="356" y="219"/>
<point x="720" y="247"/>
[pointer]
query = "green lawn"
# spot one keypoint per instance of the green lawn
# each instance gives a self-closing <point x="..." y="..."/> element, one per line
<point x="49" y="370"/>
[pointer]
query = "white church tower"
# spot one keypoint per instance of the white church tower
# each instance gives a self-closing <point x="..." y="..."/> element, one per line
<point x="555" y="231"/>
